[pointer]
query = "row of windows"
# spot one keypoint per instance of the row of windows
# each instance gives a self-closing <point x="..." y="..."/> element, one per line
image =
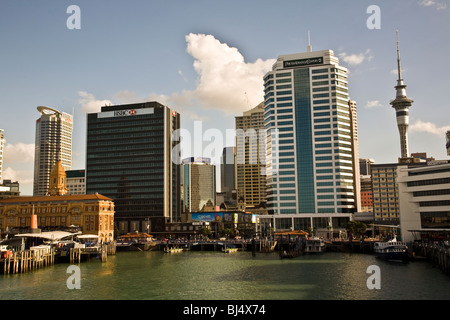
<point x="428" y="182"/>
<point x="431" y="193"/>
<point x="434" y="203"/>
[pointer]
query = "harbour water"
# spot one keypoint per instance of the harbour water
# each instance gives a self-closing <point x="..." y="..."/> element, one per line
<point x="213" y="275"/>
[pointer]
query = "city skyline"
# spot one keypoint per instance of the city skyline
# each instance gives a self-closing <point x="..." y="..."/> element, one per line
<point x="207" y="61"/>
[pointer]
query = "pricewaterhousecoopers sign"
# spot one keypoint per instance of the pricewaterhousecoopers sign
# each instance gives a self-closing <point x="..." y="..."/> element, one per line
<point x="302" y="62"/>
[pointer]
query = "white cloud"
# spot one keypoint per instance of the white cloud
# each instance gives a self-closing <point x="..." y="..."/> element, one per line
<point x="90" y="104"/>
<point x="356" y="59"/>
<point x="225" y="82"/>
<point x="19" y="153"/>
<point x="373" y="104"/>
<point x="421" y="126"/>
<point x="224" y="76"/>
<point x="24" y="177"/>
<point x="432" y="3"/>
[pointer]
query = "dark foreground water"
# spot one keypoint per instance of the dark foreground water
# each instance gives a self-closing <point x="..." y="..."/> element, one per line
<point x="235" y="276"/>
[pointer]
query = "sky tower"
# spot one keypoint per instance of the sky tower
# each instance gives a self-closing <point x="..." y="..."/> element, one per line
<point x="401" y="104"/>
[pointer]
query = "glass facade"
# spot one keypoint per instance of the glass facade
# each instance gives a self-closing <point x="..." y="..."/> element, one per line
<point x="129" y="159"/>
<point x="304" y="144"/>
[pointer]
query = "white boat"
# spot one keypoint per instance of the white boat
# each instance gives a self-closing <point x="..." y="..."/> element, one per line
<point x="173" y="250"/>
<point x="230" y="250"/>
<point x="392" y="250"/>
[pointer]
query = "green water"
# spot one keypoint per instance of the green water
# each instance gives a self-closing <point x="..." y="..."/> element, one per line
<point x="237" y="276"/>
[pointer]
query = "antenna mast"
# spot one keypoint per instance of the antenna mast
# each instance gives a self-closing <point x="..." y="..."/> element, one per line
<point x="309" y="48"/>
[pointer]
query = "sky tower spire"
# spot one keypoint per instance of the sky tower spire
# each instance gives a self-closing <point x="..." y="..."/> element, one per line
<point x="401" y="104"/>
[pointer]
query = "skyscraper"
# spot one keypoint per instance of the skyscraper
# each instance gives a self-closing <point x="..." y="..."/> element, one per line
<point x="199" y="183"/>
<point x="311" y="146"/>
<point x="401" y="104"/>
<point x="53" y="142"/>
<point x="227" y="172"/>
<point x="130" y="158"/>
<point x="251" y="156"/>
<point x="2" y="153"/>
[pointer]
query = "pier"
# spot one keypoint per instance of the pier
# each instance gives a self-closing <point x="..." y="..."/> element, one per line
<point x="26" y="260"/>
<point x="437" y="253"/>
<point x="31" y="251"/>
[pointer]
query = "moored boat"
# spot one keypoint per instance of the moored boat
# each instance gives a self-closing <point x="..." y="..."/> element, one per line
<point x="135" y="242"/>
<point x="392" y="250"/>
<point x="173" y="250"/>
<point x="230" y="250"/>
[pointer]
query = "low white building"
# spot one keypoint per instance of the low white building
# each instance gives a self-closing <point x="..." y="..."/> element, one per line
<point x="424" y="198"/>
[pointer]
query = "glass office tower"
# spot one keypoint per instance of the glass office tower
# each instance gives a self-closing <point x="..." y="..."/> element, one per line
<point x="130" y="158"/>
<point x="311" y="156"/>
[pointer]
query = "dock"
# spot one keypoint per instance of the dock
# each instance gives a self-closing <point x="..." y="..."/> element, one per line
<point x="27" y="260"/>
<point x="31" y="251"/>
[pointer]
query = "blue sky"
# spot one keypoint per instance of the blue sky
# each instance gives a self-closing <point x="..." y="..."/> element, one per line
<point x="206" y="60"/>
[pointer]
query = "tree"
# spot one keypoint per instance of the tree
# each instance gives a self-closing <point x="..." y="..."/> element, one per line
<point x="206" y="232"/>
<point x="356" y="228"/>
<point x="227" y="232"/>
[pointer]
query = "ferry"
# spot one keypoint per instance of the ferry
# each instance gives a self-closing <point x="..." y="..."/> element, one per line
<point x="392" y="250"/>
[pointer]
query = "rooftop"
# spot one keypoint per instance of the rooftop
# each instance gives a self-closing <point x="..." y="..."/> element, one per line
<point x="30" y="199"/>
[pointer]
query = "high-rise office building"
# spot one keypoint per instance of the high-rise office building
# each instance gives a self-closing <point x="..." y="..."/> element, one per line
<point x="364" y="166"/>
<point x="199" y="183"/>
<point x="312" y="145"/>
<point x="2" y="153"/>
<point x="227" y="172"/>
<point x="385" y="193"/>
<point x="131" y="158"/>
<point x="251" y="156"/>
<point x="53" y="142"/>
<point x="401" y="104"/>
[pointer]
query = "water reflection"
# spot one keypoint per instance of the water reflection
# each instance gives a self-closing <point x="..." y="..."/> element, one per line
<point x="218" y="276"/>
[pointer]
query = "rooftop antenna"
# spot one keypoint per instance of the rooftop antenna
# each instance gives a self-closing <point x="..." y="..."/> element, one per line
<point x="398" y="59"/>
<point x="309" y="48"/>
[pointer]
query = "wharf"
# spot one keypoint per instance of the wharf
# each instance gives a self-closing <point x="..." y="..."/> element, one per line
<point x="365" y="246"/>
<point x="27" y="260"/>
<point x="12" y="262"/>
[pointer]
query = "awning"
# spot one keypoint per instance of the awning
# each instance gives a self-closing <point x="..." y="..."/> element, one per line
<point x="50" y="235"/>
<point x="87" y="236"/>
<point x="292" y="233"/>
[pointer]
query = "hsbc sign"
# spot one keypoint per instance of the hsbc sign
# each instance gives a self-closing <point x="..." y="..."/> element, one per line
<point x="124" y="113"/>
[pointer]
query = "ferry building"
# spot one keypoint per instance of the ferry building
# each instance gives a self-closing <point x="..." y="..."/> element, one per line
<point x="91" y="213"/>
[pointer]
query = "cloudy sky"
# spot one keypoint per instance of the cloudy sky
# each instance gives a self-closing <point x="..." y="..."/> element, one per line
<point x="206" y="59"/>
